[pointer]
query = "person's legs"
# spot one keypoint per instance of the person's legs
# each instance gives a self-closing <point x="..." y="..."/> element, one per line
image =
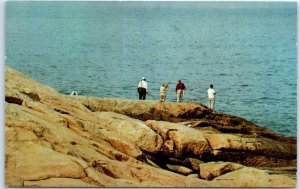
<point x="178" y="93"/>
<point x="140" y="93"/>
<point x="143" y="94"/>
<point x="181" y="95"/>
<point x="212" y="104"/>
<point x="209" y="103"/>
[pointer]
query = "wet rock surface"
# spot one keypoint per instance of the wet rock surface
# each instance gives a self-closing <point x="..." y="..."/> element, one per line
<point x="81" y="141"/>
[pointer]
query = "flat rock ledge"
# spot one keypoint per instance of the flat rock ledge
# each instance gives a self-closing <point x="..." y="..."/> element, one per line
<point x="55" y="140"/>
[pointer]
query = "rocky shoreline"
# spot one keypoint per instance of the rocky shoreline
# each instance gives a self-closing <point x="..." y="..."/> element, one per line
<point x="55" y="140"/>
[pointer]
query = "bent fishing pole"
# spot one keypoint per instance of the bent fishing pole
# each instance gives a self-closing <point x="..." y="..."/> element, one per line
<point x="223" y="89"/>
<point x="218" y="91"/>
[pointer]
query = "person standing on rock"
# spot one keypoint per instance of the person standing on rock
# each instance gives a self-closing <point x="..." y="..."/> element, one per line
<point x="163" y="92"/>
<point x="180" y="87"/>
<point x="142" y="89"/>
<point x="211" y="97"/>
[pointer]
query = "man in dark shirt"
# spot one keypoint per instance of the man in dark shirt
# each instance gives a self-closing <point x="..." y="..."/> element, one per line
<point x="179" y="91"/>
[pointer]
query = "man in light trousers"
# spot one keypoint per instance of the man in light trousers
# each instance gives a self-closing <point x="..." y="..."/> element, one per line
<point x="211" y="97"/>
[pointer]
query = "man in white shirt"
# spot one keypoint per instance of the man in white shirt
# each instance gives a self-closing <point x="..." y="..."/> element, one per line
<point x="142" y="89"/>
<point x="211" y="97"/>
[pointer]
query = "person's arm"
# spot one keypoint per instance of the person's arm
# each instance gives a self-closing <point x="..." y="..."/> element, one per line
<point x="176" y="88"/>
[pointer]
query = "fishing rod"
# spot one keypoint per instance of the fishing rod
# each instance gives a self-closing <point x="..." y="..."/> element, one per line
<point x="223" y="89"/>
<point x="149" y="94"/>
<point x="172" y="77"/>
<point x="218" y="91"/>
<point x="176" y="68"/>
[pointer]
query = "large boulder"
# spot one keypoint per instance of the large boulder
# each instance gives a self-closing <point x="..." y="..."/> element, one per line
<point x="211" y="170"/>
<point x="260" y="145"/>
<point x="145" y="110"/>
<point x="253" y="151"/>
<point x="180" y="140"/>
<point x="29" y="160"/>
<point x="144" y="137"/>
<point x="179" y="112"/>
<point x="252" y="177"/>
<point x="192" y="163"/>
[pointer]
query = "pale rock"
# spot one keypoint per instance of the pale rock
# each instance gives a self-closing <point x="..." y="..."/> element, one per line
<point x="168" y="146"/>
<point x="34" y="161"/>
<point x="193" y="162"/>
<point x="262" y="145"/>
<point x="252" y="177"/>
<point x="229" y="141"/>
<point x="121" y="143"/>
<point x="211" y="170"/>
<point x="19" y="134"/>
<point x="193" y="175"/>
<point x="151" y="163"/>
<point x="186" y="140"/>
<point x="180" y="169"/>
<point x="11" y="180"/>
<point x="59" y="182"/>
<point x="144" y="110"/>
<point x="135" y="130"/>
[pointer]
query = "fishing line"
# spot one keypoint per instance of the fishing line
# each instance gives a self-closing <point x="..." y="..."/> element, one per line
<point x="224" y="89"/>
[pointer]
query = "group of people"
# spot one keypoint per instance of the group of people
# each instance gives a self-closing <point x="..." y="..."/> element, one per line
<point x="180" y="88"/>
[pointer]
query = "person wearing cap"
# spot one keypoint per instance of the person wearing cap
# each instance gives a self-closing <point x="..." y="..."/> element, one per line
<point x="211" y="97"/>
<point x="180" y="87"/>
<point x="142" y="89"/>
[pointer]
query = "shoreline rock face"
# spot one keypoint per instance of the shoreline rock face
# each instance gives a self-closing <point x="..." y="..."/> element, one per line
<point x="55" y="140"/>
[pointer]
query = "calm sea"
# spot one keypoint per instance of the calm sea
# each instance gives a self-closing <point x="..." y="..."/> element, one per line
<point x="247" y="50"/>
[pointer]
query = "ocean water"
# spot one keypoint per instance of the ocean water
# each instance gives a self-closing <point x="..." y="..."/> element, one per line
<point x="247" y="50"/>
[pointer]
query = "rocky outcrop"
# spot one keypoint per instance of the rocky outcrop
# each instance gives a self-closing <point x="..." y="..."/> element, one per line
<point x="212" y="170"/>
<point x="179" y="140"/>
<point x="144" y="137"/>
<point x="249" y="177"/>
<point x="54" y="140"/>
<point x="180" y="112"/>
